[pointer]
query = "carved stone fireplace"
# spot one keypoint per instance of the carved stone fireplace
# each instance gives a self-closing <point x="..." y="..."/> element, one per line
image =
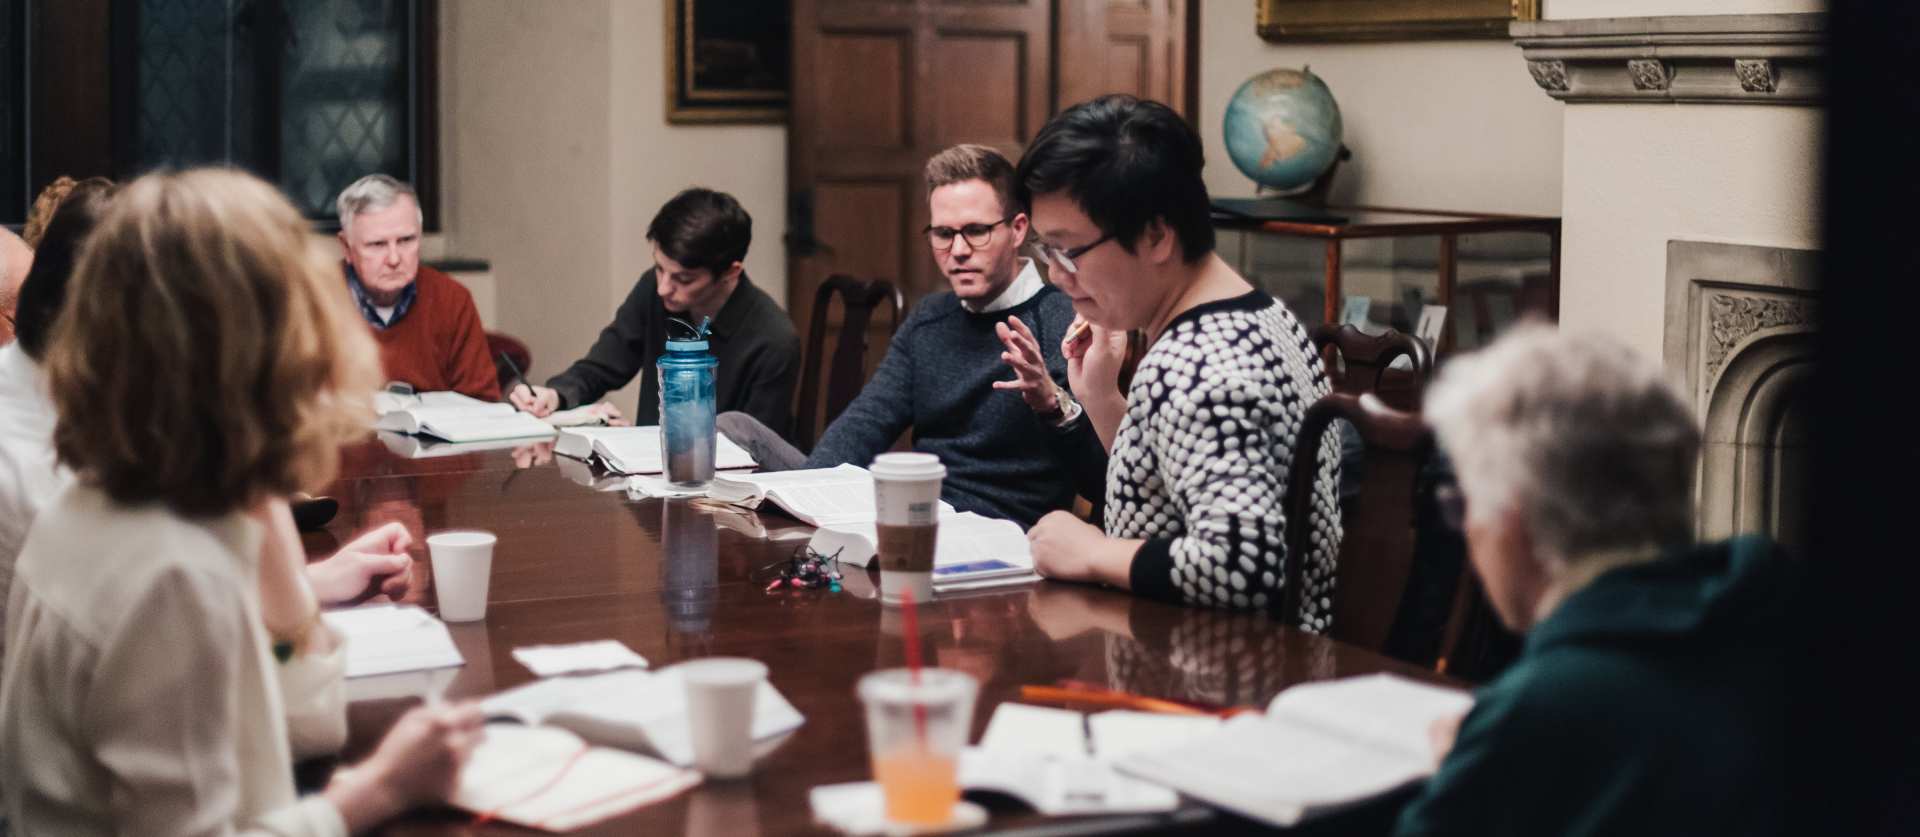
<point x="1739" y="333"/>
<point x="1682" y="133"/>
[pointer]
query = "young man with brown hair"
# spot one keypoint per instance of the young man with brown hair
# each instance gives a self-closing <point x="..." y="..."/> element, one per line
<point x="1014" y="449"/>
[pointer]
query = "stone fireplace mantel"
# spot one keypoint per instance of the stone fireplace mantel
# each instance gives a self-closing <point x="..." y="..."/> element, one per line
<point x="1703" y="59"/>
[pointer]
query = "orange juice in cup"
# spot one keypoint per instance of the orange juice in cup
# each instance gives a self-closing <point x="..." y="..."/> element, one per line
<point x="920" y="785"/>
<point x="915" y="729"/>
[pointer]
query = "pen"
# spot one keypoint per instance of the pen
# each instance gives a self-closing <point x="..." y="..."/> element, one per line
<point x="515" y="369"/>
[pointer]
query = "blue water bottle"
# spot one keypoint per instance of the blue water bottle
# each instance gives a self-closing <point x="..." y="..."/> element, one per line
<point x="686" y="406"/>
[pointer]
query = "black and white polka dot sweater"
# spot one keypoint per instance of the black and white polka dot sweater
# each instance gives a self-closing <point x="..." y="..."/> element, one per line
<point x="1200" y="461"/>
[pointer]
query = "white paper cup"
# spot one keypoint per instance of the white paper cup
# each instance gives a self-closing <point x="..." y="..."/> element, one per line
<point x="906" y="495"/>
<point x="462" y="566"/>
<point x="720" y="698"/>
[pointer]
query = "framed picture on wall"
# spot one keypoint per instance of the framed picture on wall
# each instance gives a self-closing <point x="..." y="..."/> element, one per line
<point x="728" y="60"/>
<point x="1302" y="21"/>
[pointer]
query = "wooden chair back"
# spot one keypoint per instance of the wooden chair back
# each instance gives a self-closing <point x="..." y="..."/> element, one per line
<point x="1376" y="549"/>
<point x="1357" y="363"/>
<point x="847" y="368"/>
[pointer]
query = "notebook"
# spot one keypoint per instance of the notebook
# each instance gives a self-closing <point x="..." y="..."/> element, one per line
<point x="636" y="450"/>
<point x="553" y="780"/>
<point x="453" y="417"/>
<point x="816" y="496"/>
<point x="1046" y="758"/>
<point x="1319" y="748"/>
<point x="971" y="552"/>
<point x="637" y="710"/>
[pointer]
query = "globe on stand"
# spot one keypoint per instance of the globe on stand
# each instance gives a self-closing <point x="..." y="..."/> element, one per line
<point x="1282" y="130"/>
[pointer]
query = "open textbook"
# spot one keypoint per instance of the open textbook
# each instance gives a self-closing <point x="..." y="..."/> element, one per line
<point x="550" y="779"/>
<point x="1062" y="762"/>
<point x="1320" y="747"/>
<point x="817" y="496"/>
<point x="455" y="417"/>
<point x="971" y="551"/>
<point x="636" y="450"/>
<point x="642" y="711"/>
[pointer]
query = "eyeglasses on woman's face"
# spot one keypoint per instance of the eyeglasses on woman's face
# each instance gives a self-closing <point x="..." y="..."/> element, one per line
<point x="1063" y="257"/>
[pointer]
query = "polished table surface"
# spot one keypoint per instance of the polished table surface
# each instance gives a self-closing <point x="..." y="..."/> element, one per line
<point x="674" y="582"/>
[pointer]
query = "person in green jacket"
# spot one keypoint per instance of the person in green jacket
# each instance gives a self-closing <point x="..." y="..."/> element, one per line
<point x="1651" y="696"/>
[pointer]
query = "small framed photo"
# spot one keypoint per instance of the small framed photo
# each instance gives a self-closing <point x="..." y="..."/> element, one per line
<point x="728" y="60"/>
<point x="1433" y="321"/>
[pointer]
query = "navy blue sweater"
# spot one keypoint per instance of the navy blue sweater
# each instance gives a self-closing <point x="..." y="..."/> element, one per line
<point x="937" y="378"/>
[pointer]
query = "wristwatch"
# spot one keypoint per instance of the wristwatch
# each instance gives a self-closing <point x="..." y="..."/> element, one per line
<point x="1066" y="410"/>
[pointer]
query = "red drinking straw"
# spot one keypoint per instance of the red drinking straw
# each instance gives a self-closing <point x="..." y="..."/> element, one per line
<point x="910" y="620"/>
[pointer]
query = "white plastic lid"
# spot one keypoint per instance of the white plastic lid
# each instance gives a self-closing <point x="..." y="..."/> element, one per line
<point x="907" y="466"/>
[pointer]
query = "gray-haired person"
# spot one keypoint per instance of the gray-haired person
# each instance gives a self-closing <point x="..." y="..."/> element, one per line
<point x="429" y="332"/>
<point x="1651" y="695"/>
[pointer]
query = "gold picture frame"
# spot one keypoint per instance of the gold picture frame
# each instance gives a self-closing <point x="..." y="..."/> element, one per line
<point x="728" y="60"/>
<point x="1308" y="21"/>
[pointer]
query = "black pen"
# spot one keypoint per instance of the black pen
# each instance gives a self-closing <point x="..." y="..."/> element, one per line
<point x="515" y="369"/>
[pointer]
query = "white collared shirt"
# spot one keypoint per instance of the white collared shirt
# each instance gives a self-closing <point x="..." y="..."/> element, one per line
<point x="1025" y="284"/>
<point x="29" y="475"/>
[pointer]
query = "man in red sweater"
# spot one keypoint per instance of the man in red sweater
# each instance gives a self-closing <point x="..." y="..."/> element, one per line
<point x="429" y="332"/>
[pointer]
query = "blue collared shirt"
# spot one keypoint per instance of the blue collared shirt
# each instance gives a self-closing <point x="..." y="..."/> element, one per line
<point x="366" y="305"/>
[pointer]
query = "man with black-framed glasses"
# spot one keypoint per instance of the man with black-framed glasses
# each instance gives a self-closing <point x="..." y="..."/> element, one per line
<point x="1014" y="448"/>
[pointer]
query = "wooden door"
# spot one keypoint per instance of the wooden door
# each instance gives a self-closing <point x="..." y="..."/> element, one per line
<point x="1138" y="47"/>
<point x="879" y="87"/>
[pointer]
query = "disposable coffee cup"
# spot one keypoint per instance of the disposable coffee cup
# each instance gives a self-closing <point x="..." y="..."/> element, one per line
<point x="720" y="698"/>
<point x="906" y="495"/>
<point x="462" y="566"/>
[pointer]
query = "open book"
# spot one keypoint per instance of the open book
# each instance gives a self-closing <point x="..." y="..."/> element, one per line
<point x="455" y="417"/>
<point x="1061" y="762"/>
<point x="642" y="711"/>
<point x="971" y="551"/>
<point x="636" y="450"/>
<point x="817" y="496"/>
<point x="550" y="779"/>
<point x="1319" y="747"/>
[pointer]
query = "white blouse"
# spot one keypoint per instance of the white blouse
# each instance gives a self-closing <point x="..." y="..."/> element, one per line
<point x="139" y="691"/>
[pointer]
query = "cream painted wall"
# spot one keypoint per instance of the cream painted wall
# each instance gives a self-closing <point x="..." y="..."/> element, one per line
<point x="1571" y="9"/>
<point x="557" y="153"/>
<point x="1436" y="124"/>
<point x="1638" y="176"/>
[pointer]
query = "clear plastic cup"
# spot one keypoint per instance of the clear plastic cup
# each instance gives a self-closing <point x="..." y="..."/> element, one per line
<point x="914" y="735"/>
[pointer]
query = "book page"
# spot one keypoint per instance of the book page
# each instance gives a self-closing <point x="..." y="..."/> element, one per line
<point x="636" y="450"/>
<point x="1384" y="710"/>
<point x="964" y="538"/>
<point x="1118" y="733"/>
<point x="1018" y="727"/>
<point x="632" y="709"/>
<point x="1275" y="770"/>
<point x="476" y="426"/>
<point x="550" y="779"/>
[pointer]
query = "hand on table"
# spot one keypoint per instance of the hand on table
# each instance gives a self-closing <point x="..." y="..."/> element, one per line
<point x="1064" y="547"/>
<point x="376" y="562"/>
<point x="418" y="763"/>
<point x="533" y="454"/>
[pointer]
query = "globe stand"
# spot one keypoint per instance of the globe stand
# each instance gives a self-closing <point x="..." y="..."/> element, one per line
<point x="1315" y="194"/>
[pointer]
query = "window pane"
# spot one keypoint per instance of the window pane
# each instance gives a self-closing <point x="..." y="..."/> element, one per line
<point x="184" y="60"/>
<point x="345" y="111"/>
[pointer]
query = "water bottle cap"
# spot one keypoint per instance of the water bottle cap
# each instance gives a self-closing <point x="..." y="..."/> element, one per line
<point x="696" y="341"/>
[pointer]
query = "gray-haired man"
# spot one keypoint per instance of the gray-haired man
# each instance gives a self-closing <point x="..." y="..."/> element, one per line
<point x="429" y="332"/>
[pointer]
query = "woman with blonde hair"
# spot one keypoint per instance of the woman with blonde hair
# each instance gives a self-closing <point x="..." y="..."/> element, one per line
<point x="205" y="367"/>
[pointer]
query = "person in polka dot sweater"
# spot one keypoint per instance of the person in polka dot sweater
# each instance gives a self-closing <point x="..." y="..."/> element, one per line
<point x="1201" y="443"/>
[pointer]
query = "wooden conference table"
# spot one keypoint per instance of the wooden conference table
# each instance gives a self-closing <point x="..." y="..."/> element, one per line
<point x="674" y="582"/>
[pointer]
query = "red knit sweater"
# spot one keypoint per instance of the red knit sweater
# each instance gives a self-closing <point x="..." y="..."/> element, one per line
<point x="439" y="344"/>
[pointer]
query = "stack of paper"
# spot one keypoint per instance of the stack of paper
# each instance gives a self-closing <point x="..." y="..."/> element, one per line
<point x="385" y="639"/>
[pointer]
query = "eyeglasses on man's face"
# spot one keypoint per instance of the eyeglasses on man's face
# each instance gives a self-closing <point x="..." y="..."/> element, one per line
<point x="1063" y="257"/>
<point x="977" y="235"/>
